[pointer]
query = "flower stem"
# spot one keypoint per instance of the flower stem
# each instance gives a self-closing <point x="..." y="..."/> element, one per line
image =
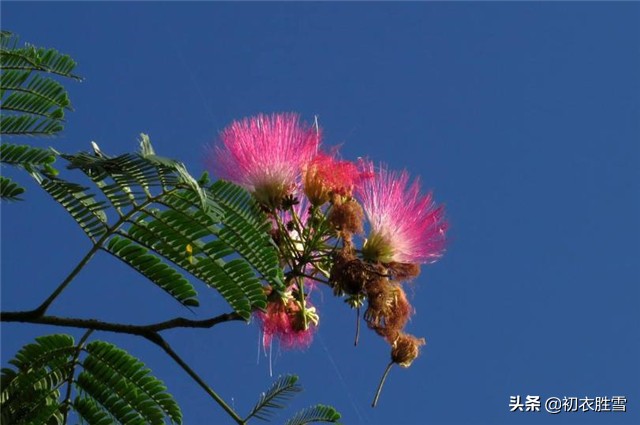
<point x="384" y="378"/>
<point x="355" y="342"/>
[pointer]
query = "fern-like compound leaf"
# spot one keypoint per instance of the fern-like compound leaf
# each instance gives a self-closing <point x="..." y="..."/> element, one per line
<point x="315" y="414"/>
<point x="280" y="391"/>
<point x="112" y="387"/>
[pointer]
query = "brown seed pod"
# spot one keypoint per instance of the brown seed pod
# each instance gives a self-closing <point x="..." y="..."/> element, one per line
<point x="405" y="349"/>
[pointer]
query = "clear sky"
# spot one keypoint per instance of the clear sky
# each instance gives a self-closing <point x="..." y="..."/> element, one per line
<point x="524" y="118"/>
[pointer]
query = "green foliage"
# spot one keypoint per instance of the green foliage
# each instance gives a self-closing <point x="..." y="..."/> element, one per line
<point x="32" y="104"/>
<point x="10" y="190"/>
<point x="246" y="230"/>
<point x="25" y="157"/>
<point x="150" y="213"/>
<point x="154" y="269"/>
<point x="89" y="410"/>
<point x="280" y="391"/>
<point x="30" y="394"/>
<point x="317" y="413"/>
<point x="113" y="386"/>
<point x="283" y="389"/>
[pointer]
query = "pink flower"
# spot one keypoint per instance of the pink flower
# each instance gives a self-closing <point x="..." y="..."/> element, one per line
<point x="266" y="154"/>
<point x="285" y="323"/>
<point x="326" y="175"/>
<point x="405" y="227"/>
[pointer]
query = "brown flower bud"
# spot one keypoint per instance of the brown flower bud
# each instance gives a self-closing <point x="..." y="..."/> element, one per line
<point x="347" y="216"/>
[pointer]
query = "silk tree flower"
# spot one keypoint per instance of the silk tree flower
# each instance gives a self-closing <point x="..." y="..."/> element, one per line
<point x="325" y="175"/>
<point x="405" y="226"/>
<point x="266" y="154"/>
<point x="287" y="322"/>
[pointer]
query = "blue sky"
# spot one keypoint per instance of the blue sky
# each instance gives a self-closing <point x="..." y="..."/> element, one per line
<point x="524" y="118"/>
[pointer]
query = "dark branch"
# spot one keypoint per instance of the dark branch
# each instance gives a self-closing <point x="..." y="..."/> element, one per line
<point x="98" y="325"/>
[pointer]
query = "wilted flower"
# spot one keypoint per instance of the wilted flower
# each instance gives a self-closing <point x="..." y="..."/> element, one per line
<point x="406" y="227"/>
<point x="388" y="310"/>
<point x="405" y="349"/>
<point x="266" y="154"/>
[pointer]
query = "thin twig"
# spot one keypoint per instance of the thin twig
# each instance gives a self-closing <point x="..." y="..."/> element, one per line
<point x="42" y="309"/>
<point x="308" y="276"/>
<point x="160" y="342"/>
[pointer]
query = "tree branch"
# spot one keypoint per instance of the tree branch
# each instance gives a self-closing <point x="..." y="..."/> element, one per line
<point x="99" y="325"/>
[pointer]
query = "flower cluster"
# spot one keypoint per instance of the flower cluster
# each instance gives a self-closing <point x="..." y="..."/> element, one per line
<point x="359" y="228"/>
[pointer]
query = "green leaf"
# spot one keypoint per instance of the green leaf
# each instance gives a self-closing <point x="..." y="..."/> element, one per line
<point x="26" y="125"/>
<point x="111" y="373"/>
<point x="45" y="89"/>
<point x="113" y="387"/>
<point x="317" y="413"/>
<point x="247" y="229"/>
<point x="91" y="412"/>
<point x="30" y="392"/>
<point x="152" y="267"/>
<point x="25" y="156"/>
<point x="280" y="391"/>
<point x="34" y="58"/>
<point x="25" y="102"/>
<point x="28" y="158"/>
<point x="10" y="190"/>
<point x="112" y="402"/>
<point x="83" y="206"/>
<point x="32" y="104"/>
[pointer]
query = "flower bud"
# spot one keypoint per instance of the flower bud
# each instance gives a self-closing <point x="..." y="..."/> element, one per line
<point x="347" y="216"/>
